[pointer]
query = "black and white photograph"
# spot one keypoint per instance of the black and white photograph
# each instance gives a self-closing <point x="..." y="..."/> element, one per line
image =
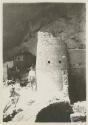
<point x="44" y="62"/>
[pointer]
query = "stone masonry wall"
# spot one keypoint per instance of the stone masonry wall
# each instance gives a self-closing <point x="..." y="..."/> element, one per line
<point x="51" y="66"/>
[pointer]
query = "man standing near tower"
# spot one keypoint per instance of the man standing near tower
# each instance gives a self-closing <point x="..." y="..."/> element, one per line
<point x="32" y="77"/>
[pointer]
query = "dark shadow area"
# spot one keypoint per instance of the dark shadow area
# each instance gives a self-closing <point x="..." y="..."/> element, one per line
<point x="57" y="112"/>
<point x="77" y="82"/>
<point x="77" y="85"/>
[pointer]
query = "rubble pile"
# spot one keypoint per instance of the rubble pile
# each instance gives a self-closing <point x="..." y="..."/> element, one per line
<point x="79" y="112"/>
<point x="10" y="109"/>
<point x="18" y="99"/>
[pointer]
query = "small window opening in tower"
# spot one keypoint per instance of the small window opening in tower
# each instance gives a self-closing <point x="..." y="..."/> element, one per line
<point x="59" y="61"/>
<point x="49" y="62"/>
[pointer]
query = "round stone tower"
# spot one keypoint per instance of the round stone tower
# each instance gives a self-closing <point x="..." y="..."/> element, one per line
<point x="51" y="66"/>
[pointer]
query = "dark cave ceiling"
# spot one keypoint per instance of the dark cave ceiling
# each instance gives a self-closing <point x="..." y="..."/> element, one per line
<point x="19" y="18"/>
